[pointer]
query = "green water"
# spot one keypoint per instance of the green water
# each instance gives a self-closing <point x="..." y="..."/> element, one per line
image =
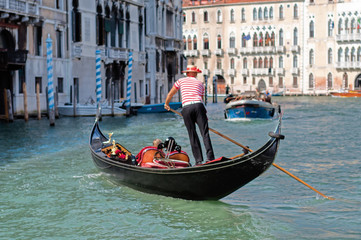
<point x="50" y="189"/>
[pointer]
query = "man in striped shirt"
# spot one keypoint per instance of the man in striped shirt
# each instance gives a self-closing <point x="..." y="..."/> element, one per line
<point x="193" y="111"/>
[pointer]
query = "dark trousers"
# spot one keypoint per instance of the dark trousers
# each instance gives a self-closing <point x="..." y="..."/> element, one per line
<point x="197" y="114"/>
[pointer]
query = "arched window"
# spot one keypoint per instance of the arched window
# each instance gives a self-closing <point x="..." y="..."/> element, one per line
<point x="193" y="17"/>
<point x="273" y="39"/>
<point x="254" y="14"/>
<point x="219" y="63"/>
<point x="268" y="39"/>
<point x="243" y="15"/>
<point x="194" y="43"/>
<point x="329" y="81"/>
<point x="295" y="37"/>
<point x="260" y="40"/>
<point x="205" y="41"/>
<point x="347" y="56"/>
<point x="265" y="13"/>
<point x="189" y="43"/>
<point x="260" y="62"/>
<point x="255" y="40"/>
<point x="254" y="62"/>
<point x="345" y="80"/>
<point x="359" y="25"/>
<point x="244" y="41"/>
<point x="295" y="61"/>
<point x="184" y="43"/>
<point x="329" y="56"/>
<point x="295" y="11"/>
<point x="311" y="60"/>
<point x="232" y="63"/>
<point x="259" y="13"/>
<point x="312" y="29"/>
<point x="280" y="40"/>
<point x="271" y="12"/>
<point x="245" y="63"/>
<point x="219" y="41"/>
<point x="219" y="16"/>
<point x="353" y="54"/>
<point x="310" y="81"/>
<point x="353" y="25"/>
<point x="232" y="40"/>
<point x="330" y="28"/>
<point x="232" y="16"/>
<point x="359" y="54"/>
<point x="280" y="62"/>
<point x="339" y="29"/>
<point x="281" y="12"/>
<point x="205" y="16"/>
<point x="339" y="55"/>
<point x="347" y="30"/>
<point x="265" y="64"/>
<point x="271" y="62"/>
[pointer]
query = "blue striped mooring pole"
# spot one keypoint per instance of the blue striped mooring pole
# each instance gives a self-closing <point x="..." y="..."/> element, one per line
<point x="98" y="81"/>
<point x="129" y="83"/>
<point x="49" y="63"/>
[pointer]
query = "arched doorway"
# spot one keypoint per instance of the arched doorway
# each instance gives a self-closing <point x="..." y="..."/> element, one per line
<point x="221" y="84"/>
<point x="261" y="85"/>
<point x="358" y="82"/>
<point x="7" y="44"/>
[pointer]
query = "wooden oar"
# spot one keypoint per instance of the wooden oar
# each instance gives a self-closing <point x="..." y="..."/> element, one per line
<point x="278" y="167"/>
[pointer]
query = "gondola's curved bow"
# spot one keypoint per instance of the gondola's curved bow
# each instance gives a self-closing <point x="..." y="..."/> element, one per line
<point x="205" y="182"/>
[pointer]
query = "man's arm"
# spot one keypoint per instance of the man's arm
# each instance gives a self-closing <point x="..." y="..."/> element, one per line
<point x="169" y="97"/>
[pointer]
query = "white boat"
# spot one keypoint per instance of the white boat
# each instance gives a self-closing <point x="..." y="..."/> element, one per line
<point x="84" y="110"/>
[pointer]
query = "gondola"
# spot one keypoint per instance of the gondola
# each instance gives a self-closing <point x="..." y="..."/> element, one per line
<point x="210" y="181"/>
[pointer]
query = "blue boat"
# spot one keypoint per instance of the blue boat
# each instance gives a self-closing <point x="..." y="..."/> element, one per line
<point x="158" y="108"/>
<point x="248" y="109"/>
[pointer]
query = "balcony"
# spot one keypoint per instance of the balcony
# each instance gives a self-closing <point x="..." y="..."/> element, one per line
<point x="280" y="49"/>
<point x="120" y="54"/>
<point x="243" y="50"/>
<point x="295" y="48"/>
<point x="205" y="72"/>
<point x="280" y="71"/>
<point x="77" y="50"/>
<point x="244" y="72"/>
<point x="232" y="51"/>
<point x="232" y="72"/>
<point x="218" y="52"/>
<point x="187" y="53"/>
<point x="13" y="60"/>
<point x="294" y="71"/>
<point x="255" y="71"/>
<point x="218" y="72"/>
<point x="194" y="53"/>
<point x="20" y="6"/>
<point x="348" y="65"/>
<point x="348" y="37"/>
<point x="206" y="52"/>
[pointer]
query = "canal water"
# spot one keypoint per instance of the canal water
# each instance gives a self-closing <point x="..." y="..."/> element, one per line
<point x="50" y="188"/>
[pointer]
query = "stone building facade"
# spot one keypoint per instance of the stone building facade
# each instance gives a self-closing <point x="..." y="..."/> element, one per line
<point x="283" y="45"/>
<point x="151" y="30"/>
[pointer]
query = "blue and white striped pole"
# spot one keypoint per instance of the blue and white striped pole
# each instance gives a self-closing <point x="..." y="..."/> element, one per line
<point x="98" y="81"/>
<point x="49" y="63"/>
<point x="129" y="83"/>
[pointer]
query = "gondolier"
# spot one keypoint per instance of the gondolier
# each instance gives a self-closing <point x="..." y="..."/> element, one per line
<point x="194" y="111"/>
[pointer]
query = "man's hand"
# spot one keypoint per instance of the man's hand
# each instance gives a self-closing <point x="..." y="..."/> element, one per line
<point x="166" y="107"/>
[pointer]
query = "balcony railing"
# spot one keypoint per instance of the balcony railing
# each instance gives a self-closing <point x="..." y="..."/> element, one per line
<point x="295" y="48"/>
<point x="205" y="72"/>
<point x="20" y="6"/>
<point x="206" y="52"/>
<point x="77" y="50"/>
<point x="280" y="49"/>
<point x="187" y="53"/>
<point x="118" y="54"/>
<point x="232" y="51"/>
<point x="244" y="72"/>
<point x="280" y="71"/>
<point x="348" y="37"/>
<point x="232" y="72"/>
<point x="294" y="71"/>
<point x="13" y="59"/>
<point x="349" y="65"/>
<point x="194" y="53"/>
<point x="218" y="52"/>
<point x="218" y="72"/>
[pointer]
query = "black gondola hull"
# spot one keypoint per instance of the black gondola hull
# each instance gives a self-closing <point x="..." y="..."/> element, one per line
<point x="206" y="182"/>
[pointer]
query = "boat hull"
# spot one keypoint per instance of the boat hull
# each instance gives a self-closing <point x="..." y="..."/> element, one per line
<point x="249" y="109"/>
<point x="88" y="110"/>
<point x="349" y="94"/>
<point x="158" y="108"/>
<point x="205" y="182"/>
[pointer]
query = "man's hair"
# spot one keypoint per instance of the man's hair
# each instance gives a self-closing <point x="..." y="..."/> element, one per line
<point x="156" y="142"/>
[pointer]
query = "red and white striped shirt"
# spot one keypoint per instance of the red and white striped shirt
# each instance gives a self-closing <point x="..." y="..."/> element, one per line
<point x="191" y="89"/>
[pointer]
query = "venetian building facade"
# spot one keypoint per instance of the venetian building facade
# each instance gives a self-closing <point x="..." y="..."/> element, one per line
<point x="151" y="30"/>
<point x="333" y="47"/>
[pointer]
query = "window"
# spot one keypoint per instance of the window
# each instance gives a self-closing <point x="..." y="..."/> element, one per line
<point x="295" y="11"/>
<point x="194" y="43"/>
<point x="280" y="38"/>
<point x="254" y="62"/>
<point x="260" y="14"/>
<point x="76" y="22"/>
<point x="295" y="61"/>
<point x="260" y="62"/>
<point x="253" y="80"/>
<point x="345" y="81"/>
<point x="21" y="79"/>
<point x="60" y="85"/>
<point x="273" y="39"/>
<point x="232" y="16"/>
<point x="347" y="56"/>
<point x="232" y="40"/>
<point x="265" y="62"/>
<point x="189" y="43"/>
<point x="232" y="80"/>
<point x="295" y="37"/>
<point x="310" y="81"/>
<point x="232" y="63"/>
<point x="193" y="17"/>
<point x="245" y="63"/>
<point x="280" y="62"/>
<point x="58" y="4"/>
<point x="330" y="28"/>
<point x="184" y="43"/>
<point x="38" y="82"/>
<point x="311" y="60"/>
<point x="329" y="81"/>
<point x="205" y="65"/>
<point x="280" y="82"/>
<point x="346" y="26"/>
<point x="281" y="12"/>
<point x="295" y="82"/>
<point x="312" y="29"/>
<point x="339" y="55"/>
<point x="205" y="16"/>
<point x="268" y="39"/>
<point x="265" y="13"/>
<point x="254" y="14"/>
<point x="271" y="12"/>
<point x="260" y="40"/>
<point x="59" y="44"/>
<point x="329" y="56"/>
<point x="219" y="42"/>
<point x="219" y="63"/>
<point x="245" y="80"/>
<point x="243" y="15"/>
<point x="353" y="54"/>
<point x="270" y="81"/>
<point x="353" y="25"/>
<point x="358" y="54"/>
<point x="38" y="32"/>
<point x="255" y="40"/>
<point x="339" y="29"/>
<point x="219" y="16"/>
<point x="205" y="41"/>
<point x="244" y="41"/>
<point x="184" y="17"/>
<point x="271" y="62"/>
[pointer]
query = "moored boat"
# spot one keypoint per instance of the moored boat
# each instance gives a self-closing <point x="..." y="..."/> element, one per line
<point x="249" y="108"/>
<point x="347" y="94"/>
<point x="158" y="108"/>
<point x="85" y="110"/>
<point x="210" y="181"/>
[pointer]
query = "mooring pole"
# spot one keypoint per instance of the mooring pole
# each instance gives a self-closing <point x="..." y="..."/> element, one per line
<point x="26" y="115"/>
